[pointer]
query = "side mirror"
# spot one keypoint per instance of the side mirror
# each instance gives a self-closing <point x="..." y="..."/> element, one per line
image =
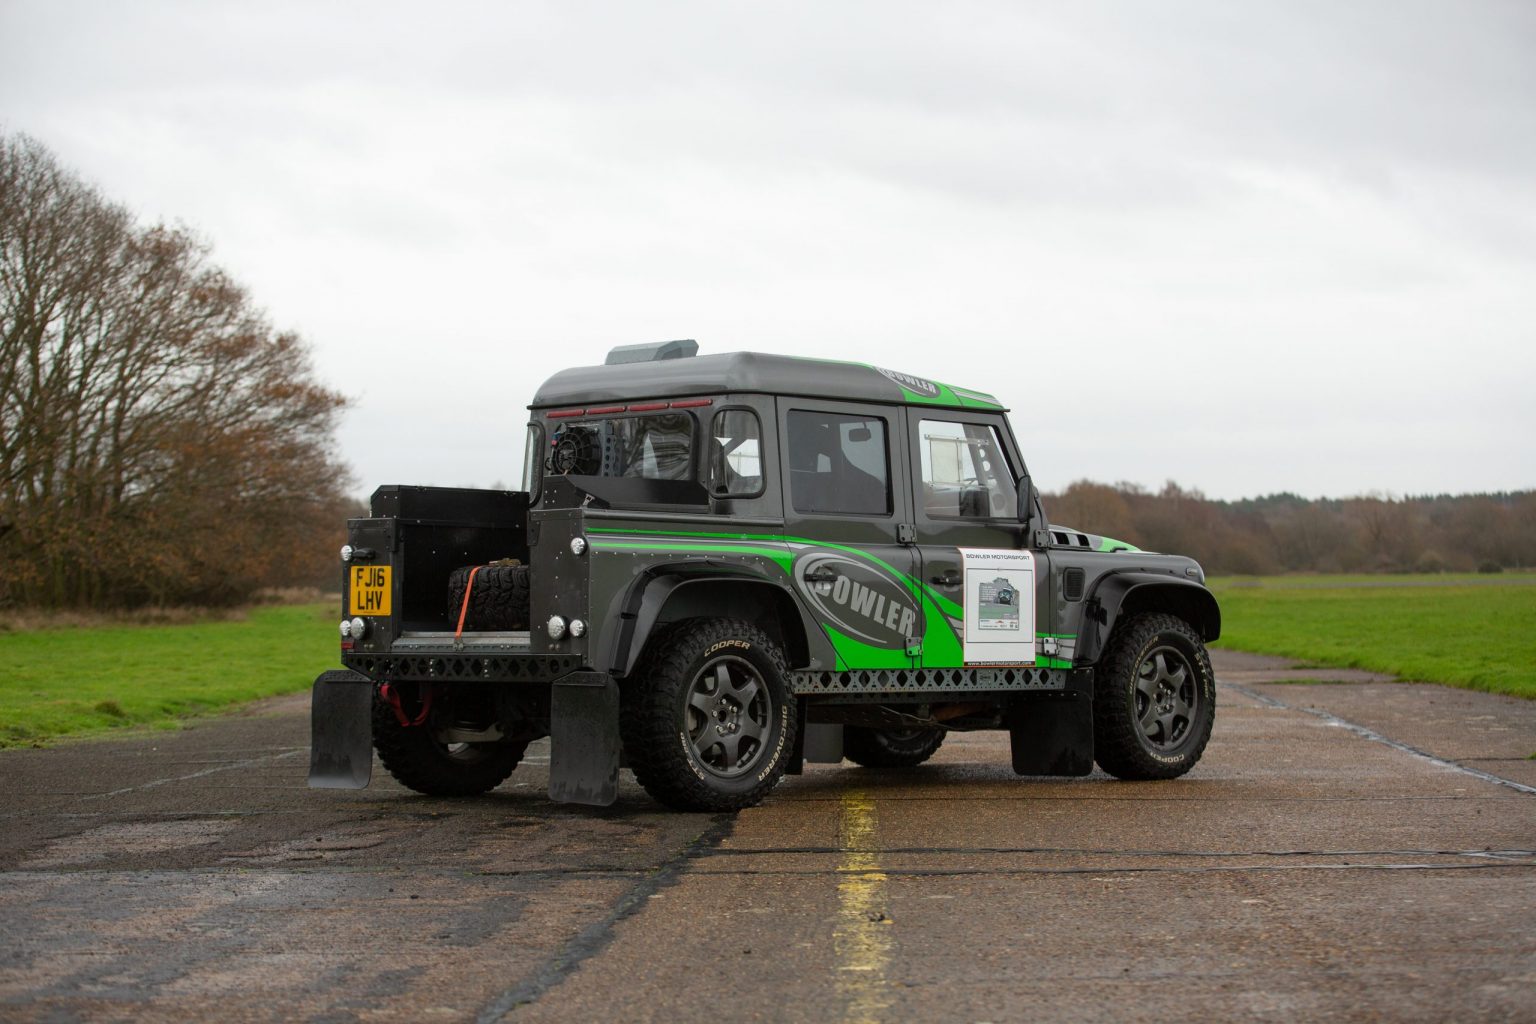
<point x="1026" y="502"/>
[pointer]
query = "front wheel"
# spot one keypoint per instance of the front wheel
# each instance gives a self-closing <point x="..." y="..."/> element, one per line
<point x="1154" y="699"/>
<point x="706" y="719"/>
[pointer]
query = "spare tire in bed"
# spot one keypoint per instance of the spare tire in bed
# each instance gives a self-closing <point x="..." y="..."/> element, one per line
<point x="498" y="602"/>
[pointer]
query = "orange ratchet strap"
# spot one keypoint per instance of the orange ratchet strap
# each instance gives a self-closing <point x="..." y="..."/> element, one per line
<point x="469" y="588"/>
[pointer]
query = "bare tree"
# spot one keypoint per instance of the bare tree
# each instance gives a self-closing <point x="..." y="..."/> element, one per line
<point x="1100" y="508"/>
<point x="161" y="442"/>
<point x="1284" y="532"/>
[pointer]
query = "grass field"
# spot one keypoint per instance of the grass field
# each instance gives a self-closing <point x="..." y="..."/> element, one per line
<point x="1477" y="632"/>
<point x="1474" y="631"/>
<point x="73" y="681"/>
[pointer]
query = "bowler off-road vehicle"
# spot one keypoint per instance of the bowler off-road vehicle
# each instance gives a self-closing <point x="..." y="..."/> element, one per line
<point x="720" y="567"/>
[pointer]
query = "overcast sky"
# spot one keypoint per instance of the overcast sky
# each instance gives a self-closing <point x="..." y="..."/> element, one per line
<point x="1250" y="247"/>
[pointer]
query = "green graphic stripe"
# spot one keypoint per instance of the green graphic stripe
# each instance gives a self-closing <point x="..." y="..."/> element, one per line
<point x="778" y="538"/>
<point x="964" y="397"/>
<point x="784" y="559"/>
<point x="949" y="607"/>
<point x="915" y="584"/>
<point x="855" y="654"/>
<point x="690" y="533"/>
<point x="941" y="648"/>
<point x="937" y="608"/>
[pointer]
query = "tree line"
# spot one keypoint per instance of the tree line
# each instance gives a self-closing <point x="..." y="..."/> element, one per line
<point x="160" y="441"/>
<point x="1288" y="533"/>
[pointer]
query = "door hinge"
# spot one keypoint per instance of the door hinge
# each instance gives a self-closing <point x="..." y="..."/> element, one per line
<point x="914" y="647"/>
<point x="906" y="533"/>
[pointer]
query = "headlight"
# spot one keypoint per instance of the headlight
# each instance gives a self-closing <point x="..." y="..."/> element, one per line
<point x="556" y="627"/>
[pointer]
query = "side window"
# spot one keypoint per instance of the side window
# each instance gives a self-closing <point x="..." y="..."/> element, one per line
<point x="533" y="461"/>
<point x="964" y="473"/>
<point x="838" y="463"/>
<point x="736" y="454"/>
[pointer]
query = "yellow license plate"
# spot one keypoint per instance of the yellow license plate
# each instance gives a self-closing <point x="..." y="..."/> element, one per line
<point x="370" y="590"/>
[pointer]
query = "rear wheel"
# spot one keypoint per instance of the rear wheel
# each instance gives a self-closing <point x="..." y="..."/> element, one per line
<point x="890" y="748"/>
<point x="1154" y="699"/>
<point x="434" y="757"/>
<point x="706" y="719"/>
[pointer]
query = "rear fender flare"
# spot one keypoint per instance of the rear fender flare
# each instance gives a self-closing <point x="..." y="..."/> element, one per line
<point x="640" y="607"/>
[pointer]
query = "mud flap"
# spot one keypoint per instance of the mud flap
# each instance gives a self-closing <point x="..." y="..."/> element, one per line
<point x="341" y="731"/>
<point x="1052" y="735"/>
<point x="584" y="739"/>
<point x="815" y="743"/>
<point x="824" y="743"/>
<point x="795" y="763"/>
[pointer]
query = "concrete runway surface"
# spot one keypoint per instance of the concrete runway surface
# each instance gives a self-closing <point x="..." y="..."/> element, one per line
<point x="1357" y="851"/>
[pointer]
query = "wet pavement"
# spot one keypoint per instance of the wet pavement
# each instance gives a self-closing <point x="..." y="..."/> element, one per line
<point x="1346" y="851"/>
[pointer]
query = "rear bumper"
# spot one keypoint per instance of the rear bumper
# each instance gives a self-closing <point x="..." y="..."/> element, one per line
<point x="476" y="657"/>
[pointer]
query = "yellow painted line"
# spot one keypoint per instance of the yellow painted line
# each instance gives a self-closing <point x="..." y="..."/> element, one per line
<point x="862" y="940"/>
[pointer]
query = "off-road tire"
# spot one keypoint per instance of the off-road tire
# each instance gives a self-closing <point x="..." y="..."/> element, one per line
<point x="498" y="602"/>
<point x="663" y="726"/>
<point x="1122" y="725"/>
<point x="890" y="748"/>
<point x="416" y="759"/>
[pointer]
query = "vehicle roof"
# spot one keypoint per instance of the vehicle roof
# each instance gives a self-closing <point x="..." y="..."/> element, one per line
<point x="756" y="372"/>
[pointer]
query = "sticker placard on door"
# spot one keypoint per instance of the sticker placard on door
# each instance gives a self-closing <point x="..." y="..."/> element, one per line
<point x="999" y="602"/>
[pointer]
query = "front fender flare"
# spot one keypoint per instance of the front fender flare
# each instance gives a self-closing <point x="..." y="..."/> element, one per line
<point x="1118" y="593"/>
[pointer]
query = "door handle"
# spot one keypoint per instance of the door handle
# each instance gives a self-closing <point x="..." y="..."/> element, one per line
<point x="949" y="579"/>
<point x="820" y="576"/>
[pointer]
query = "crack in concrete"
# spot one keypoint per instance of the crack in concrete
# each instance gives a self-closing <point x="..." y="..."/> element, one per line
<point x="744" y="851"/>
<point x="231" y="766"/>
<point x="594" y="938"/>
<point x="1376" y="737"/>
<point x="1119" y="869"/>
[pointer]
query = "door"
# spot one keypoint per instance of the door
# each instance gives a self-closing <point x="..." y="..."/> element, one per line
<point x="846" y="503"/>
<point x="982" y="583"/>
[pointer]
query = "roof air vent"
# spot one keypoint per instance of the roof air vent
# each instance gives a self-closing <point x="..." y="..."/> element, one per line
<point x="652" y="352"/>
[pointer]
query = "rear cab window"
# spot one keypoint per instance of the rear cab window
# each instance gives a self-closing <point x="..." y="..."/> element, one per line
<point x="651" y="446"/>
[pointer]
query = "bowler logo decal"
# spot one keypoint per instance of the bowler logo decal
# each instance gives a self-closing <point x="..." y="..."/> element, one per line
<point x="926" y="388"/>
<point x="857" y="599"/>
